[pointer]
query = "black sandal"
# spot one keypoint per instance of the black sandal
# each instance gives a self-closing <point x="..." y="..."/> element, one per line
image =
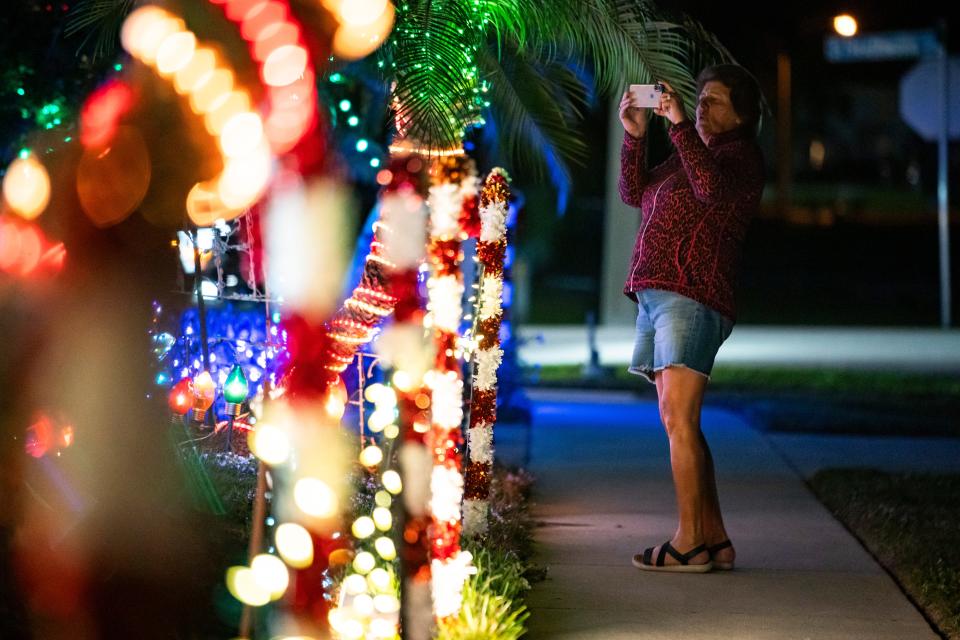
<point x="720" y="546"/>
<point x="646" y="563"/>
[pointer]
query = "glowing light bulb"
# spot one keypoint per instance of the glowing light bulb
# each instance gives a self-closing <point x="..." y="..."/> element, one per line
<point x="403" y="381"/>
<point x="284" y="65"/>
<point x="202" y="63"/>
<point x="175" y="52"/>
<point x="361" y="12"/>
<point x="181" y="397"/>
<point x="845" y="25"/>
<point x="355" y="584"/>
<point x="26" y="187"/>
<point x="294" y="545"/>
<point x="209" y="89"/>
<point x="244" y="587"/>
<point x="363" y="605"/>
<point x="236" y="388"/>
<point x="379" y="579"/>
<point x="243" y="179"/>
<point x="270" y="443"/>
<point x="382" y="518"/>
<point x="392" y="482"/>
<point x="392" y="431"/>
<point x="270" y="574"/>
<point x="364" y="562"/>
<point x="204" y="393"/>
<point x="386" y="603"/>
<point x="380" y="628"/>
<point x="372" y="392"/>
<point x="379" y="420"/>
<point x="383" y="499"/>
<point x="363" y="527"/>
<point x="241" y="134"/>
<point x="386" y="548"/>
<point x="371" y="456"/>
<point x="315" y="497"/>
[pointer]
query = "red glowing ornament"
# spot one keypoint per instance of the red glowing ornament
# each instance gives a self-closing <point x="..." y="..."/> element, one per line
<point x="181" y="397"/>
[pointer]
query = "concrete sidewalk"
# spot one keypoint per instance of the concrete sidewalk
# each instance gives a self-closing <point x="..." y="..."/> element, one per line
<point x="603" y="493"/>
<point x="914" y="349"/>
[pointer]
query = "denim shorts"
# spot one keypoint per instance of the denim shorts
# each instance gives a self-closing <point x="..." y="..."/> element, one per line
<point x="674" y="330"/>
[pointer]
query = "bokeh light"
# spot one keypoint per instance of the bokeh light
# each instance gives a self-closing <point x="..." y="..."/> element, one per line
<point x="112" y="181"/>
<point x="26" y="187"/>
<point x="294" y="545"/>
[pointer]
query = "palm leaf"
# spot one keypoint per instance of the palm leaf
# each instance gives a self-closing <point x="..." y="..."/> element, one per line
<point x="101" y="21"/>
<point x="433" y="56"/>
<point x="535" y="108"/>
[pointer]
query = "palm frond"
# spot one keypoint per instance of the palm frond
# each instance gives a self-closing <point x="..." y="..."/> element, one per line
<point x="536" y="107"/>
<point x="433" y="58"/>
<point x="100" y="21"/>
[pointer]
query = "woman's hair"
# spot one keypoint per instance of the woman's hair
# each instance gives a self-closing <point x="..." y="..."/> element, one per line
<point x="744" y="93"/>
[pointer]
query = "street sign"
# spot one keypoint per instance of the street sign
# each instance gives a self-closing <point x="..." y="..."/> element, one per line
<point x="922" y="103"/>
<point x="890" y="45"/>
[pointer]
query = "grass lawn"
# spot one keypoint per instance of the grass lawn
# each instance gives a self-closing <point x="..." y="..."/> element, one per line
<point x="911" y="523"/>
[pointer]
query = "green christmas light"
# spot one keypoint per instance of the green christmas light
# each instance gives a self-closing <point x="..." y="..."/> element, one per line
<point x="374" y="162"/>
<point x="235" y="389"/>
<point x="362" y="145"/>
<point x="345" y="105"/>
<point x="24" y="153"/>
<point x="353" y="121"/>
<point x="118" y="67"/>
<point x="336" y="78"/>
<point x="21" y="92"/>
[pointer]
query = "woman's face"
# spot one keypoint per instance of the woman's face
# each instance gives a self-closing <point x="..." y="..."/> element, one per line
<point x="715" y="113"/>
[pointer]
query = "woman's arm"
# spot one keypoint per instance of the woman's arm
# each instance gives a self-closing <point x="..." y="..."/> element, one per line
<point x="633" y="170"/>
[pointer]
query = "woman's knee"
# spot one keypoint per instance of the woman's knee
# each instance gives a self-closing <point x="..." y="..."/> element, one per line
<point x="678" y="420"/>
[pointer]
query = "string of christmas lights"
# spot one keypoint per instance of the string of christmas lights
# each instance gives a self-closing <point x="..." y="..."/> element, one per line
<point x="491" y="251"/>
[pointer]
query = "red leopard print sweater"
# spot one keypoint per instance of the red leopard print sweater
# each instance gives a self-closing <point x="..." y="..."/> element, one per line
<point x="696" y="207"/>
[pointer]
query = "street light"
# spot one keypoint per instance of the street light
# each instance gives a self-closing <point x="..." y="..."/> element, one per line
<point x="845" y="25"/>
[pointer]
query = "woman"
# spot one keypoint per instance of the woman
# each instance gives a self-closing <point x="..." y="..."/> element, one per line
<point x="696" y="208"/>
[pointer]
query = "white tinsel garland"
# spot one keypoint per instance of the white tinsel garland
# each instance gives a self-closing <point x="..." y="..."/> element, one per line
<point x="445" y="294"/>
<point x="470" y="186"/>
<point x="405" y="220"/>
<point x="493" y="222"/>
<point x="488" y="361"/>
<point x="446" y="398"/>
<point x="445" y="203"/>
<point x="447" y="580"/>
<point x="446" y="488"/>
<point x="491" y="297"/>
<point x="475" y="517"/>
<point x="481" y="444"/>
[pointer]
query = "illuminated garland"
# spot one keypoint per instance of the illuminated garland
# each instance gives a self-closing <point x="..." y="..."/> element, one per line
<point x="402" y="232"/>
<point x="159" y="39"/>
<point x="491" y="250"/>
<point x="450" y="566"/>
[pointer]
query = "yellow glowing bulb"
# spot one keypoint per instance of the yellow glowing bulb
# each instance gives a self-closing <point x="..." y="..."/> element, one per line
<point x="364" y="562"/>
<point x="392" y="431"/>
<point x="175" y="52"/>
<point x="351" y="630"/>
<point x="380" y="628"/>
<point x="241" y="134"/>
<point x="209" y="89"/>
<point x="363" y="527"/>
<point x="358" y="13"/>
<point x="270" y="574"/>
<point x="386" y="603"/>
<point x="354" y="41"/>
<point x="284" y="65"/>
<point x="845" y="25"/>
<point x="145" y="29"/>
<point x="363" y="605"/>
<point x="382" y="518"/>
<point x="392" y="482"/>
<point x="270" y="444"/>
<point x="388" y="398"/>
<point x="26" y="187"/>
<point x="385" y="548"/>
<point x="334" y="407"/>
<point x="315" y="497"/>
<point x="337" y="618"/>
<point x="382" y="499"/>
<point x="371" y="456"/>
<point x="202" y="63"/>
<point x="403" y="381"/>
<point x="223" y="110"/>
<point x="294" y="545"/>
<point x="355" y="584"/>
<point x="372" y="393"/>
<point x="379" y="419"/>
<point x="244" y="587"/>
<point x="379" y="579"/>
<point x="243" y="179"/>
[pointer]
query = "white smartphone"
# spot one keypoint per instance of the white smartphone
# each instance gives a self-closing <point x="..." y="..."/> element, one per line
<point x="645" y="95"/>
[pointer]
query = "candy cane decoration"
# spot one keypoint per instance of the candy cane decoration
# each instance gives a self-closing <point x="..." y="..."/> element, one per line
<point x="491" y="251"/>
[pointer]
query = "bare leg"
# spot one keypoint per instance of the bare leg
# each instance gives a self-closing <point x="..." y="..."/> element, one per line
<point x="680" y="393"/>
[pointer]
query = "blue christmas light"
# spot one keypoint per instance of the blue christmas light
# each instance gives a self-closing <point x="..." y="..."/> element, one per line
<point x="362" y="145"/>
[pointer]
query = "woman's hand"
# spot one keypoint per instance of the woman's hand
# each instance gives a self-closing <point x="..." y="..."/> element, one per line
<point x="634" y="119"/>
<point x="671" y="106"/>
